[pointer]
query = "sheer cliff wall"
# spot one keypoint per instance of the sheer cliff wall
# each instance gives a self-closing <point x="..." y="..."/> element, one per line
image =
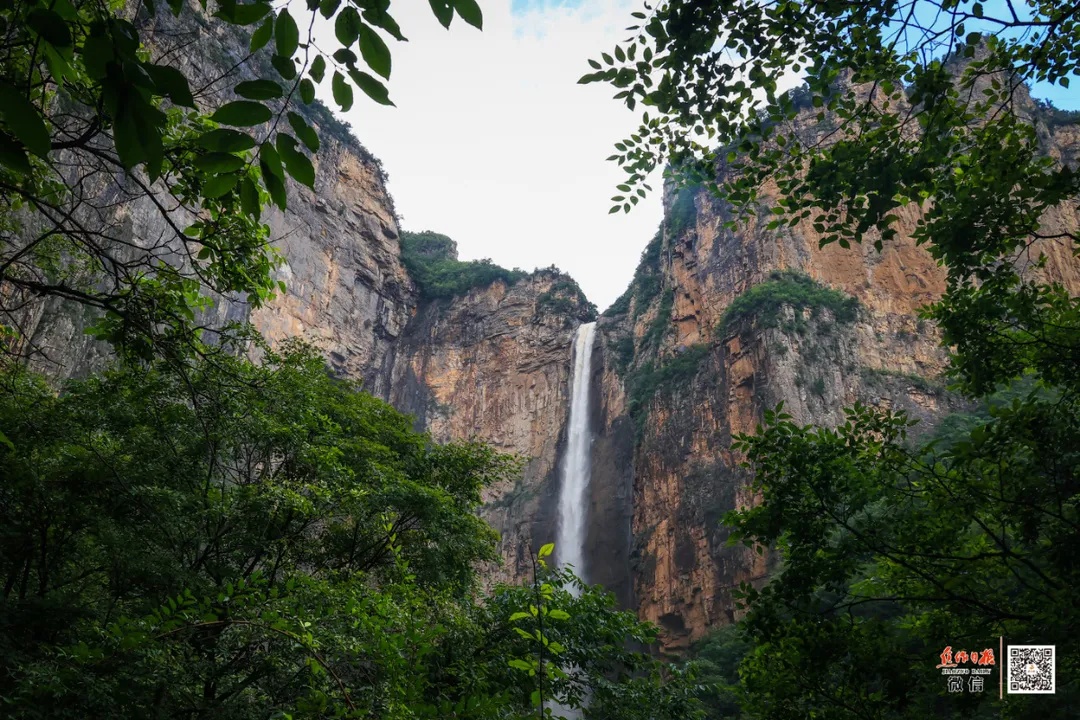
<point x="696" y="351"/>
<point x="675" y="373"/>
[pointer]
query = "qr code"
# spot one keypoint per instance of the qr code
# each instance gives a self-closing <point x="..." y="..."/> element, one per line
<point x="1031" y="669"/>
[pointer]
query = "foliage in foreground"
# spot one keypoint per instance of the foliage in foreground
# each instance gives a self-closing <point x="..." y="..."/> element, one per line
<point x="101" y="107"/>
<point x="245" y="541"/>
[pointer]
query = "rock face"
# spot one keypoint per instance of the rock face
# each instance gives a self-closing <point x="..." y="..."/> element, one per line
<point x="495" y="365"/>
<point x="688" y="376"/>
<point x="676" y="373"/>
<point x="348" y="291"/>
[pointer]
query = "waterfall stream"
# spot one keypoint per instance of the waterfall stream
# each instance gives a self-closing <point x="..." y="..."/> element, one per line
<point x="574" y="498"/>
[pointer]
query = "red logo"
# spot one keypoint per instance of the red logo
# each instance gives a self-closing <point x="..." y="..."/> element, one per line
<point x="961" y="657"/>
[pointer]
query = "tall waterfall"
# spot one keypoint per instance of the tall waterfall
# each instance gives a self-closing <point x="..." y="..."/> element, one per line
<point x="570" y="542"/>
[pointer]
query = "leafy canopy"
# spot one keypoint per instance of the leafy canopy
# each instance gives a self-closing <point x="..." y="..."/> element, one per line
<point x="133" y="181"/>
<point x="246" y="541"/>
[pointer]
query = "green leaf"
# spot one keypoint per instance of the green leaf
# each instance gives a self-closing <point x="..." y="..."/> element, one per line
<point x="444" y="11"/>
<point x="242" y="113"/>
<point x="546" y="550"/>
<point x="520" y="664"/>
<point x="286" y="34"/>
<point x="170" y="82"/>
<point x="470" y="13"/>
<point x="347" y="26"/>
<point x="260" y="37"/>
<point x="12" y="155"/>
<point x="296" y="163"/>
<point x="272" y="173"/>
<point x="520" y="616"/>
<point x="305" y="132"/>
<point x="4" y="440"/>
<point x="371" y="86"/>
<point x="307" y="91"/>
<point x="382" y="20"/>
<point x="97" y="52"/>
<point x="375" y="52"/>
<point x="237" y="14"/>
<point x="343" y="94"/>
<point x="259" y="90"/>
<point x="23" y="121"/>
<point x="225" y="140"/>
<point x="345" y="56"/>
<point x="218" y="162"/>
<point x="219" y="185"/>
<point x="559" y="615"/>
<point x="327" y="8"/>
<point x="249" y="198"/>
<point x="126" y="133"/>
<point x="284" y="65"/>
<point x="317" y="69"/>
<point x="50" y="27"/>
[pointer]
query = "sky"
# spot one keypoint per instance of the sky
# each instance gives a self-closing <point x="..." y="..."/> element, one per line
<point x="493" y="143"/>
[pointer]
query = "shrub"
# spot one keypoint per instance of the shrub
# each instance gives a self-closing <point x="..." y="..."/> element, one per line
<point x="683" y="212"/>
<point x="431" y="260"/>
<point x="792" y="289"/>
<point x="880" y="376"/>
<point x="661" y="322"/>
<point x="1055" y="117"/>
<point x="646" y="283"/>
<point x="649" y="379"/>
<point x="565" y="298"/>
<point x="622" y="351"/>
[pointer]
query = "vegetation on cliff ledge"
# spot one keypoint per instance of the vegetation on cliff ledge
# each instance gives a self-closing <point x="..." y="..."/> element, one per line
<point x="644" y="382"/>
<point x="788" y="288"/>
<point x="431" y="260"/>
<point x="646" y="283"/>
<point x="565" y="298"/>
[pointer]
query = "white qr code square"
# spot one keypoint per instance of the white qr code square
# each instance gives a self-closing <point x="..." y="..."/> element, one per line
<point x="1031" y="669"/>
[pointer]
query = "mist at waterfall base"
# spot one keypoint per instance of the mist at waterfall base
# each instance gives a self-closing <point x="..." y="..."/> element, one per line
<point x="574" y="495"/>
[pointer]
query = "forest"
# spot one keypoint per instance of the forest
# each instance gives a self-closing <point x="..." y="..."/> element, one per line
<point x="214" y="525"/>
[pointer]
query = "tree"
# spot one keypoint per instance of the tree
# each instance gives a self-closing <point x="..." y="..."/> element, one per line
<point x="893" y="549"/>
<point x="104" y="120"/>
<point x="249" y="541"/>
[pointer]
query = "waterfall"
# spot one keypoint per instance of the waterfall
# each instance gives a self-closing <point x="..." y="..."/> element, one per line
<point x="574" y="498"/>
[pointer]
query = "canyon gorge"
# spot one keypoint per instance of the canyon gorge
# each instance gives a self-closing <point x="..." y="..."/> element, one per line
<point x="716" y="327"/>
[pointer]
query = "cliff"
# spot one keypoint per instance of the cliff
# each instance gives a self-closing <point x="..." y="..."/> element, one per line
<point x="487" y="356"/>
<point x="716" y="326"/>
<point x="347" y="289"/>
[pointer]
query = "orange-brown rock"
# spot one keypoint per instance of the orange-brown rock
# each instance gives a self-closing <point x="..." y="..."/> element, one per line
<point x="685" y="476"/>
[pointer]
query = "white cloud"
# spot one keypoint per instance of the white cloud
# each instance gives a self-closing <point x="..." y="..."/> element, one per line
<point x="495" y="144"/>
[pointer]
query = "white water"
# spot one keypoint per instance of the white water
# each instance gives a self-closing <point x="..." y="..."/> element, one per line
<point x="573" y="501"/>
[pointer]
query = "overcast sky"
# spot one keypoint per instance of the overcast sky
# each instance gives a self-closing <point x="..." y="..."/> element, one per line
<point x="495" y="144"/>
